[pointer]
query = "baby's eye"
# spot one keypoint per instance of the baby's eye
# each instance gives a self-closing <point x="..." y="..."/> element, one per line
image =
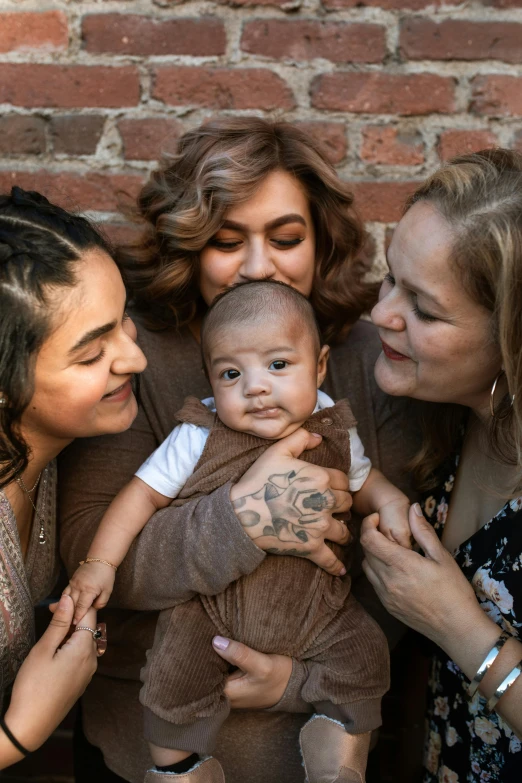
<point x="230" y="375"/>
<point x="278" y="364"/>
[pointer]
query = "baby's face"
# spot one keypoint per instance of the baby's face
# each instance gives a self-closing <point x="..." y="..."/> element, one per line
<point x="265" y="377"/>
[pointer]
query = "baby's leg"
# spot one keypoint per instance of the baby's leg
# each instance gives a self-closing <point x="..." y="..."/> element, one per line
<point x="183" y="689"/>
<point x="348" y="668"/>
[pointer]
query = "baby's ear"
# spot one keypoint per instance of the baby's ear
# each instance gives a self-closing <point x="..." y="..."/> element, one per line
<point x="322" y="364"/>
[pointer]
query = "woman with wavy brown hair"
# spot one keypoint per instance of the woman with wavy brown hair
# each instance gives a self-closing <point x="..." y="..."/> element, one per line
<point x="242" y="199"/>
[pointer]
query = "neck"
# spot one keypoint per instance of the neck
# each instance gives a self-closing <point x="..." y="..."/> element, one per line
<point x="43" y="449"/>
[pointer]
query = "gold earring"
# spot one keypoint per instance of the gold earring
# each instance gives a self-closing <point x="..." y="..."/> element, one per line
<point x="494" y="415"/>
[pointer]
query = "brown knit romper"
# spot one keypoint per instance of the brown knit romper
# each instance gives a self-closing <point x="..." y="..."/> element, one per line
<point x="287" y="605"/>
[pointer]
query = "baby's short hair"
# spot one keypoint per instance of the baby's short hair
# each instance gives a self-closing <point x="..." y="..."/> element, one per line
<point x="256" y="300"/>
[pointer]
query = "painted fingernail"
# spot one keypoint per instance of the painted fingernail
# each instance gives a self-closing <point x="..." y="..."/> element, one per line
<point x="315" y="434"/>
<point x="220" y="642"/>
<point x="342" y="571"/>
<point x="418" y="510"/>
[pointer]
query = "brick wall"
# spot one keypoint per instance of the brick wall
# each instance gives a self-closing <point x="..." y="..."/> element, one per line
<point x="91" y="92"/>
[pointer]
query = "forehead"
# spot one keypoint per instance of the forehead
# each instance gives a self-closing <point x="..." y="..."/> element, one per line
<point x="280" y="192"/>
<point x="261" y="335"/>
<point x="420" y="252"/>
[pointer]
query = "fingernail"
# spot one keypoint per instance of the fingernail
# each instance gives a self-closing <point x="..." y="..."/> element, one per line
<point x="418" y="510"/>
<point x="315" y="434"/>
<point x="220" y="642"/>
<point x="63" y="601"/>
<point x="342" y="571"/>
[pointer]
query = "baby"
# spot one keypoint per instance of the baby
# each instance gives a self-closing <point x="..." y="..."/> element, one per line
<point x="263" y="356"/>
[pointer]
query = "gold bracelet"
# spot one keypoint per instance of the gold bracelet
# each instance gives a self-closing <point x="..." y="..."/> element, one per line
<point x="98" y="560"/>
<point x="506" y="683"/>
<point x="486" y="663"/>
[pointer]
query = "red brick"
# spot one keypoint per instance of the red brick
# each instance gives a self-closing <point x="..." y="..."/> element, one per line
<point x="497" y="96"/>
<point x="339" y="42"/>
<point x="105" y="192"/>
<point x="27" y="31"/>
<point x="330" y="136"/>
<point x="21" y="135"/>
<point x="286" y="5"/>
<point x="382" y="201"/>
<point x="68" y="86"/>
<point x="504" y="3"/>
<point x="77" y="134"/>
<point x="146" y="139"/>
<point x="452" y="39"/>
<point x="383" y="93"/>
<point x="144" y="36"/>
<point x="389" y="5"/>
<point x="458" y="142"/>
<point x="222" y="88"/>
<point x="387" y="144"/>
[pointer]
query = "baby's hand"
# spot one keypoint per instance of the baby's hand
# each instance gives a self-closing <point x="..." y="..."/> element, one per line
<point x="90" y="585"/>
<point x="393" y="522"/>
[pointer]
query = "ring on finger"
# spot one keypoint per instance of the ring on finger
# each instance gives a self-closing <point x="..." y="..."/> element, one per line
<point x="99" y="635"/>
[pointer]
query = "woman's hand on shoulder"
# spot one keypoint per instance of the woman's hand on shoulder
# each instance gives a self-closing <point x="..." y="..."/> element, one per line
<point x="51" y="679"/>
<point x="286" y="505"/>
<point x="429" y="594"/>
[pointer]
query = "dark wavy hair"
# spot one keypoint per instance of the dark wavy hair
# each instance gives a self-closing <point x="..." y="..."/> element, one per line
<point x="39" y="245"/>
<point x="216" y="166"/>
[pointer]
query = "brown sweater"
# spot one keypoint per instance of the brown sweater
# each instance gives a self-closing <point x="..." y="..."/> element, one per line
<point x="199" y="548"/>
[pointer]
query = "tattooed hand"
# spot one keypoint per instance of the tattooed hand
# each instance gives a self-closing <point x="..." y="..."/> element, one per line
<point x="285" y="505"/>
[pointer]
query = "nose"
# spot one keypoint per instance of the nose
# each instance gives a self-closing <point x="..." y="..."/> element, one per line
<point x="257" y="263"/>
<point x="388" y="312"/>
<point x="256" y="384"/>
<point x="129" y="358"/>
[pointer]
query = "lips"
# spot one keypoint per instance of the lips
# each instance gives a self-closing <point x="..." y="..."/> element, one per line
<point x="390" y="353"/>
<point x="265" y="413"/>
<point x="120" y="393"/>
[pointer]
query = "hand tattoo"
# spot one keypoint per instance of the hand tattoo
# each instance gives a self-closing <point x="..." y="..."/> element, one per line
<point x="282" y="507"/>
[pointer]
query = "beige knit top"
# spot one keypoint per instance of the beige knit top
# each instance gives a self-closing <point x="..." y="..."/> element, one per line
<point x="24" y="582"/>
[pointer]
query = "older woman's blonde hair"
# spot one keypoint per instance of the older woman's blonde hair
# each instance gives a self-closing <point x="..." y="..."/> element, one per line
<point x="216" y="166"/>
<point x="480" y="197"/>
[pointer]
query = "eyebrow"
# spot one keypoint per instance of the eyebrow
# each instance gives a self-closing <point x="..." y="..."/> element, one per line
<point x="416" y="289"/>
<point x="293" y="217"/>
<point x="88" y="337"/>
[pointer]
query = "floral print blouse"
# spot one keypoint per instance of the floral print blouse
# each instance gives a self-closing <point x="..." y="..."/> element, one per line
<point x="463" y="742"/>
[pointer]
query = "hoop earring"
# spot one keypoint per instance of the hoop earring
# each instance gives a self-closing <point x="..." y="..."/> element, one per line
<point x="3" y="402"/>
<point x="494" y="415"/>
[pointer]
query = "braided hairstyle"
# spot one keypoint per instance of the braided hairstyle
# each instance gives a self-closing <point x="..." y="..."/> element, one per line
<point x="39" y="245"/>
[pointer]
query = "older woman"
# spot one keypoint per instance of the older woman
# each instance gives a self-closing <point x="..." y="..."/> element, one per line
<point x="67" y="354"/>
<point x="450" y="322"/>
<point x="242" y="199"/>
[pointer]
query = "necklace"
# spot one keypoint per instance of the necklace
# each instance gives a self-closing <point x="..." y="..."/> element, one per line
<point x="41" y="535"/>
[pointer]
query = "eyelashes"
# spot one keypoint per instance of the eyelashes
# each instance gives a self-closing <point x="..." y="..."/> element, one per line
<point x="98" y="358"/>
<point x="420" y="314"/>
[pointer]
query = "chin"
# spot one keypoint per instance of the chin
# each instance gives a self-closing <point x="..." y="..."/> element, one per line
<point x="123" y="420"/>
<point x="391" y="380"/>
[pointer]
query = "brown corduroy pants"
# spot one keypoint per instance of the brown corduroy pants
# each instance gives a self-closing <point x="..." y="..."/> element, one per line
<point x="184" y="701"/>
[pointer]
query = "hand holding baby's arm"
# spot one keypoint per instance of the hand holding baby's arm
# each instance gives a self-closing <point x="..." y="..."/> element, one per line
<point x="92" y="583"/>
<point x="378" y="495"/>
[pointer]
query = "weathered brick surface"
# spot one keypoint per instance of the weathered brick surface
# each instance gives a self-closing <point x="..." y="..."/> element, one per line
<point x="497" y="96"/>
<point x="140" y="35"/>
<point x="457" y="39"/>
<point x="93" y="91"/>
<point x="222" y="88"/>
<point x="339" y="42"/>
<point x="45" y="31"/>
<point x="147" y="139"/>
<point x="458" y="142"/>
<point x="383" y="93"/>
<point x="21" y="135"/>
<point x="68" y="86"/>
<point x="76" y="134"/>
<point x="389" y="145"/>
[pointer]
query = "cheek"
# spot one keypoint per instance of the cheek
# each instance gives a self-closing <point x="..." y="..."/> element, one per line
<point x="217" y="271"/>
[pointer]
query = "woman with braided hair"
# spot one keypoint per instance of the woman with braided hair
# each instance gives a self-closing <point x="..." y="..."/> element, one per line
<point x="67" y="355"/>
